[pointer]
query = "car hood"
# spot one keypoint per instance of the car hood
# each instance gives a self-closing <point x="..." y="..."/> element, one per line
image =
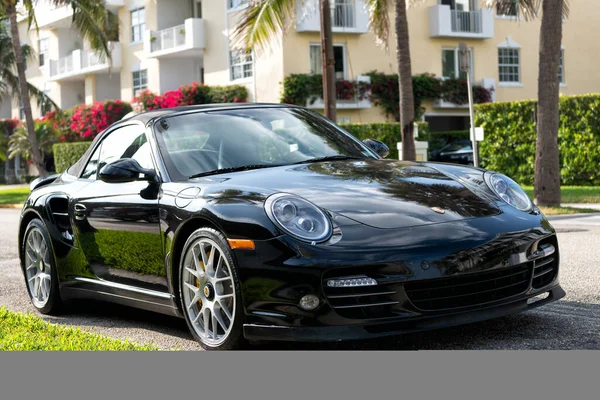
<point x="379" y="193"/>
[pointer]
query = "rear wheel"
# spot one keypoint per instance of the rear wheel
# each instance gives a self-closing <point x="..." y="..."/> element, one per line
<point x="210" y="292"/>
<point x="40" y="270"/>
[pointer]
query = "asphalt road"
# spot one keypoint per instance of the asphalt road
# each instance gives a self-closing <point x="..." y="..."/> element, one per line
<point x="572" y="323"/>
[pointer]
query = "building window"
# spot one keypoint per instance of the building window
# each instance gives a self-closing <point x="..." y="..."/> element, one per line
<point x="241" y="64"/>
<point x="451" y="64"/>
<point x="509" y="68"/>
<point x="138" y="24"/>
<point x="140" y="81"/>
<point x="561" y="67"/>
<point x="508" y="9"/>
<point x="344" y="119"/>
<point x="339" y="56"/>
<point x="236" y="3"/>
<point x="43" y="51"/>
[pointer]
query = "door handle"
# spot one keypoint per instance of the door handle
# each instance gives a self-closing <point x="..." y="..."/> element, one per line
<point x="80" y="211"/>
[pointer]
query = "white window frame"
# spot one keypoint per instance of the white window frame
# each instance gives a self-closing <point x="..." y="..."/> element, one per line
<point x="345" y="56"/>
<point x="141" y="25"/>
<point x="45" y="53"/>
<point x="235" y="5"/>
<point x="140" y="86"/>
<point x="509" y="44"/>
<point x="232" y="54"/>
<point x="457" y="62"/>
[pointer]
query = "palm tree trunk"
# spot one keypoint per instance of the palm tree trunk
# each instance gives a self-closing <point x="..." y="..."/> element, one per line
<point x="547" y="168"/>
<point x="407" y="108"/>
<point x="24" y="91"/>
<point x="329" y="97"/>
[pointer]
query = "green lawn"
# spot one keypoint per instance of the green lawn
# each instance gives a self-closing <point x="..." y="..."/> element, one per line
<point x="574" y="194"/>
<point x="13" y="196"/>
<point x="30" y="333"/>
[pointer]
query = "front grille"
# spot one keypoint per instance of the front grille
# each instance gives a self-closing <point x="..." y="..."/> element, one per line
<point x="468" y="290"/>
<point x="363" y="302"/>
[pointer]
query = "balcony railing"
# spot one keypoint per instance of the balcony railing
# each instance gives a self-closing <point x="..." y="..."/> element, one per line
<point x="81" y="62"/>
<point x="168" y="38"/>
<point x="356" y="101"/>
<point x="445" y="22"/>
<point x="185" y="39"/>
<point x="347" y="16"/>
<point x="466" y="21"/>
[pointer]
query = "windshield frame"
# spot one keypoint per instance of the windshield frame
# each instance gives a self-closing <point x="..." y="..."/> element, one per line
<point x="176" y="176"/>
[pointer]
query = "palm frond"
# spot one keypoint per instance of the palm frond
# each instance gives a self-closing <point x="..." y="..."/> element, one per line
<point x="379" y="21"/>
<point x="262" y="21"/>
<point x="90" y="18"/>
<point x="529" y="9"/>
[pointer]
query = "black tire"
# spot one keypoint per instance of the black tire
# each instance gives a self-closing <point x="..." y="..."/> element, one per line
<point x="235" y="339"/>
<point x="54" y="303"/>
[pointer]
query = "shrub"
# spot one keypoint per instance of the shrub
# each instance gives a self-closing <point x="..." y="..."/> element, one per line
<point x="303" y="89"/>
<point x="89" y="120"/>
<point x="7" y="127"/>
<point x="193" y="94"/>
<point x="18" y="144"/>
<point x="510" y="137"/>
<point x="67" y="154"/>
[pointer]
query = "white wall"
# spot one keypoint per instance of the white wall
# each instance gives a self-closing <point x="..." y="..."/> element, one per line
<point x="5" y="107"/>
<point x="176" y="72"/>
<point x="108" y="87"/>
<point x="68" y="40"/>
<point x="72" y="93"/>
<point x="173" y="12"/>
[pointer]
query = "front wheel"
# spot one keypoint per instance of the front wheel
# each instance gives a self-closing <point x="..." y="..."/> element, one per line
<point x="40" y="270"/>
<point x="210" y="291"/>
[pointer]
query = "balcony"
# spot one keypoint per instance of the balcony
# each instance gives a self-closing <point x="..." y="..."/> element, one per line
<point x="185" y="40"/>
<point x="486" y="83"/>
<point x="354" y="103"/>
<point x="347" y="16"/>
<point x="445" y="22"/>
<point x="83" y="62"/>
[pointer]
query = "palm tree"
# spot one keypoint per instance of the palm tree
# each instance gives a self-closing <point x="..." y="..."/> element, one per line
<point x="379" y="23"/>
<point x="263" y="20"/>
<point x="9" y="82"/>
<point x="547" y="165"/>
<point x="90" y="18"/>
<point x="18" y="143"/>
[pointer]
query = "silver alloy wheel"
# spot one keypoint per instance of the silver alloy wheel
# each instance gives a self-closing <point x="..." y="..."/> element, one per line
<point x="208" y="291"/>
<point x="38" y="270"/>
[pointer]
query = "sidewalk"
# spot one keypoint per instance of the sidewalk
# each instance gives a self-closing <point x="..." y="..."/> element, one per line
<point x="7" y="187"/>
<point x="593" y="206"/>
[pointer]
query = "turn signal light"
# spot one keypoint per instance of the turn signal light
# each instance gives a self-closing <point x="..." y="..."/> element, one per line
<point x="352" y="282"/>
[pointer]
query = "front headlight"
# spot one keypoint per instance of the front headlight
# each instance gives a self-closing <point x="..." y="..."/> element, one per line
<point x="298" y="217"/>
<point x="509" y="191"/>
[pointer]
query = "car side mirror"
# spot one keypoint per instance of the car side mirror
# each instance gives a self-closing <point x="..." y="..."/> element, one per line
<point x="378" y="147"/>
<point x="126" y="170"/>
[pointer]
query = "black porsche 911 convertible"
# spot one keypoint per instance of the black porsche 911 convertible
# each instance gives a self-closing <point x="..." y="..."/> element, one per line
<point x="268" y="222"/>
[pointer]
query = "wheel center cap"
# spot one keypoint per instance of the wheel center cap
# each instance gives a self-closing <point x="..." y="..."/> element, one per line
<point x="41" y="265"/>
<point x="209" y="292"/>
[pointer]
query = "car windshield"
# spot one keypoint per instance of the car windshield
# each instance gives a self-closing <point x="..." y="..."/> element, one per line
<point x="203" y="143"/>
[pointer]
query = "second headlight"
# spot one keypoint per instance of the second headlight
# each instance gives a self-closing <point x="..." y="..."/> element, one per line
<point x="298" y="217"/>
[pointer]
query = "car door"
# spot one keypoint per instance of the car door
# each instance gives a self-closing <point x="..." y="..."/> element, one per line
<point x="117" y="224"/>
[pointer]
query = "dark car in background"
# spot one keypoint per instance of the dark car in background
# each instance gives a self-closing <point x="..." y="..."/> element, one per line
<point x="460" y="152"/>
<point x="271" y="222"/>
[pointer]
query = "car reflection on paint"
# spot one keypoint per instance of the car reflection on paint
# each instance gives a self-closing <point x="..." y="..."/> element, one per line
<point x="268" y="222"/>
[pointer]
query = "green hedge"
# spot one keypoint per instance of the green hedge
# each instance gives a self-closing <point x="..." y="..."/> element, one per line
<point x="510" y="137"/>
<point x="67" y="154"/>
<point x="387" y="132"/>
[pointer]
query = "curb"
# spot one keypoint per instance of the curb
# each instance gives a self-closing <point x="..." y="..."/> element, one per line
<point x="568" y="216"/>
<point x="19" y="206"/>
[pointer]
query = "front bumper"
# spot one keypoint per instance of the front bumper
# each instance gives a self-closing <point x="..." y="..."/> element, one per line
<point x="398" y="326"/>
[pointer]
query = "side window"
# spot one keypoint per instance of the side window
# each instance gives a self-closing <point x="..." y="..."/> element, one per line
<point x="91" y="169"/>
<point x="126" y="142"/>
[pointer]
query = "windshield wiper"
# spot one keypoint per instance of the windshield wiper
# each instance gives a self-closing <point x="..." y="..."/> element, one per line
<point x="232" y="169"/>
<point x="329" y="158"/>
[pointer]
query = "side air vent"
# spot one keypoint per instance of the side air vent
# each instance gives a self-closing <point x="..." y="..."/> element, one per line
<point x="59" y="212"/>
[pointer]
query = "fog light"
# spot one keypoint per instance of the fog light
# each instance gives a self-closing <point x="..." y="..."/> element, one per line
<point x="309" y="302"/>
<point x="352" y="282"/>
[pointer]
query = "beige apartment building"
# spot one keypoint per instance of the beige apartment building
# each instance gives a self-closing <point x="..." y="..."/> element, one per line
<point x="163" y="44"/>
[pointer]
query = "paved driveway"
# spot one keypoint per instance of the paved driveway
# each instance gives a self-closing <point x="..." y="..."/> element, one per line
<point x="572" y="323"/>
